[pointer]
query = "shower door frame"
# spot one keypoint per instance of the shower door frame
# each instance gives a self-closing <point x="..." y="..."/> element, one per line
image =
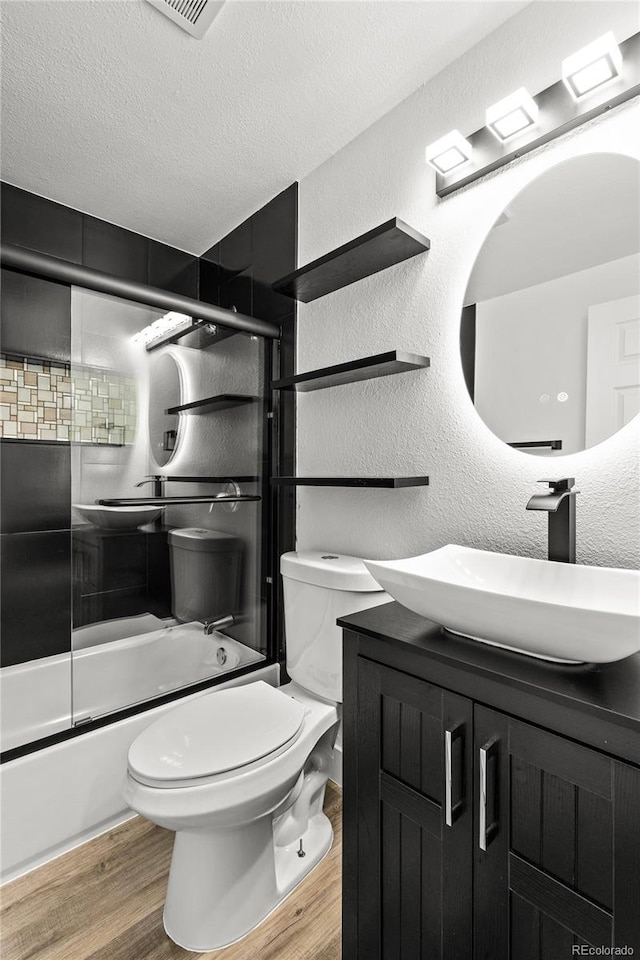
<point x="278" y="447"/>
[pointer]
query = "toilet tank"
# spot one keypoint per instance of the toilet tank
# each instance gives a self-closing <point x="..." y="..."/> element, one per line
<point x="205" y="573"/>
<point x="319" y="587"/>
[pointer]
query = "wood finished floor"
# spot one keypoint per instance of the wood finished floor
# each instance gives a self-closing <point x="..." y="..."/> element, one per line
<point x="104" y="901"/>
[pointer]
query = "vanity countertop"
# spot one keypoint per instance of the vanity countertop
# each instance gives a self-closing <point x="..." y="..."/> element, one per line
<point x="597" y="704"/>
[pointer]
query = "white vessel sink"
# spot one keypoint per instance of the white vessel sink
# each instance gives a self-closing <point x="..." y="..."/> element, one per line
<point x="556" y="611"/>
<point x="117" y="518"/>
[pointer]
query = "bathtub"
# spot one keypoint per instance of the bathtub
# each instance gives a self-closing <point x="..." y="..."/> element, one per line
<point x="61" y="796"/>
<point x="38" y="698"/>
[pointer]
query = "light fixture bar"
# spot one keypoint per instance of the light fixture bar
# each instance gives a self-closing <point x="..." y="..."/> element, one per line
<point x="558" y="113"/>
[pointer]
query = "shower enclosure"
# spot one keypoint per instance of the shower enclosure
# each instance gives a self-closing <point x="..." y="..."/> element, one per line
<point x="167" y="419"/>
<point x="174" y="428"/>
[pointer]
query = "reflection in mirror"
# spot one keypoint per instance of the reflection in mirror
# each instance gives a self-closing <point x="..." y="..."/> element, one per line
<point x="550" y="330"/>
<point x="145" y="579"/>
<point x="165" y="391"/>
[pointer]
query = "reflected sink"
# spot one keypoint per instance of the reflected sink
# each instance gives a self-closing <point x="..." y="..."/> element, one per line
<point x="555" y="611"/>
<point x="117" y="518"/>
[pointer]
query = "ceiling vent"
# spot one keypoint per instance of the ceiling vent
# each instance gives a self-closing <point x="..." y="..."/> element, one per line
<point x="194" y="16"/>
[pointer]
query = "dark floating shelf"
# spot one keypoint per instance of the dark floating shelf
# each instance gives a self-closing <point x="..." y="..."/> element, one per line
<point x="390" y="243"/>
<point x="210" y="404"/>
<point x="366" y="368"/>
<point x="395" y="483"/>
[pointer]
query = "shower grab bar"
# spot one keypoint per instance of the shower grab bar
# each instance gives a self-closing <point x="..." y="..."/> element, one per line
<point x="168" y="501"/>
<point x="52" y="268"/>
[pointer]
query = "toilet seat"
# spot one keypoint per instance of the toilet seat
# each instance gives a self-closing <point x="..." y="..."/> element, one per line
<point x="215" y="735"/>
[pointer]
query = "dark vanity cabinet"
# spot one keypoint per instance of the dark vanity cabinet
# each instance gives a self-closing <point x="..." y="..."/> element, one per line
<point x="491" y="802"/>
<point x="410" y="874"/>
<point x="120" y="573"/>
<point x="557" y="853"/>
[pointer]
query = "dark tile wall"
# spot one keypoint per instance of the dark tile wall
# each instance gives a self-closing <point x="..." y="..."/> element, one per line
<point x="113" y="250"/>
<point x="171" y="269"/>
<point x="35" y="535"/>
<point x="34" y="484"/>
<point x="35" y="317"/>
<point x="39" y="224"/>
<point x="238" y="271"/>
<point x="36" y="595"/>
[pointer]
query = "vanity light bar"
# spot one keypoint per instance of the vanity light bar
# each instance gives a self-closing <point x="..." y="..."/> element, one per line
<point x="160" y="328"/>
<point x="449" y="152"/>
<point x="513" y="115"/>
<point x="591" y="67"/>
<point x="596" y="78"/>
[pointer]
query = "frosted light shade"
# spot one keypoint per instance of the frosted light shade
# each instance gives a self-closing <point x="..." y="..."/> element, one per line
<point x="449" y="153"/>
<point x="596" y="64"/>
<point x="512" y="115"/>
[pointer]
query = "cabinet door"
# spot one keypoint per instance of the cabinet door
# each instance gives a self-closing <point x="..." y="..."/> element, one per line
<point x="413" y="818"/>
<point x="557" y="845"/>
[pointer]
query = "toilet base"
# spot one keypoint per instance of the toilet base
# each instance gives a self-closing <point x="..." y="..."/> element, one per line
<point x="210" y="906"/>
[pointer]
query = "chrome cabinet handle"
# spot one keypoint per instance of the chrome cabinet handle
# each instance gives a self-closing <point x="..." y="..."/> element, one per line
<point x="486" y="752"/>
<point x="483" y="798"/>
<point x="448" y="750"/>
<point x="449" y="808"/>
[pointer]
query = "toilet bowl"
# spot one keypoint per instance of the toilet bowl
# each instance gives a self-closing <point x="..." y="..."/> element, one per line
<point x="240" y="807"/>
<point x="240" y="774"/>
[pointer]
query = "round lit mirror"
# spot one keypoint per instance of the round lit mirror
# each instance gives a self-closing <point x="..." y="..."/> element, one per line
<point x="165" y="393"/>
<point x="550" y="331"/>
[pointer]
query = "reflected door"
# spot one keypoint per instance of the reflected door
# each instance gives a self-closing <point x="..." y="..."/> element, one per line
<point x="613" y="367"/>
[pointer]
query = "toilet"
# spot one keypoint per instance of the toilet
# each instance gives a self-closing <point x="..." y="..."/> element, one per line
<point x="240" y="774"/>
<point x="205" y="573"/>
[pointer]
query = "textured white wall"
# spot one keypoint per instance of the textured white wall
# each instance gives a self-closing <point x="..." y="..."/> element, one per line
<point x="424" y="422"/>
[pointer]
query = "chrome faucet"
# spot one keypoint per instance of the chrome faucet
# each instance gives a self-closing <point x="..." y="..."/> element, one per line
<point x="560" y="503"/>
<point x="212" y="625"/>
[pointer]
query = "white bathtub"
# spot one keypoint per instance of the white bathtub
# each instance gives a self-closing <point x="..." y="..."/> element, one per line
<point x="35" y="700"/>
<point x="62" y="796"/>
<point x="38" y="698"/>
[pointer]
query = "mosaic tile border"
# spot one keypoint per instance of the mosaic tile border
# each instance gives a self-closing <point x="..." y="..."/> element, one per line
<point x="42" y="400"/>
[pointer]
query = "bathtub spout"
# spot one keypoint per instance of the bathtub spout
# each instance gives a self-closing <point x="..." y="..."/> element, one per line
<point x="210" y="626"/>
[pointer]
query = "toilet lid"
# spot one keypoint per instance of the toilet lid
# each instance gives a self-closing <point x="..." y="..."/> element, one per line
<point x="218" y="732"/>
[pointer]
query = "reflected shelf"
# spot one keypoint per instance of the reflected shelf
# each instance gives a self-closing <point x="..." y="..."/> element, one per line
<point x="226" y="479"/>
<point x="223" y="401"/>
<point x="532" y="444"/>
<point x="170" y="501"/>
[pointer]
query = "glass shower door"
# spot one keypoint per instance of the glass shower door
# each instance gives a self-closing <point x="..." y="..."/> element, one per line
<point x="165" y="594"/>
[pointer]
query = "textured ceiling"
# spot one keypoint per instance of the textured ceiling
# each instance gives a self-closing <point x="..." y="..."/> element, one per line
<point x="109" y="107"/>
